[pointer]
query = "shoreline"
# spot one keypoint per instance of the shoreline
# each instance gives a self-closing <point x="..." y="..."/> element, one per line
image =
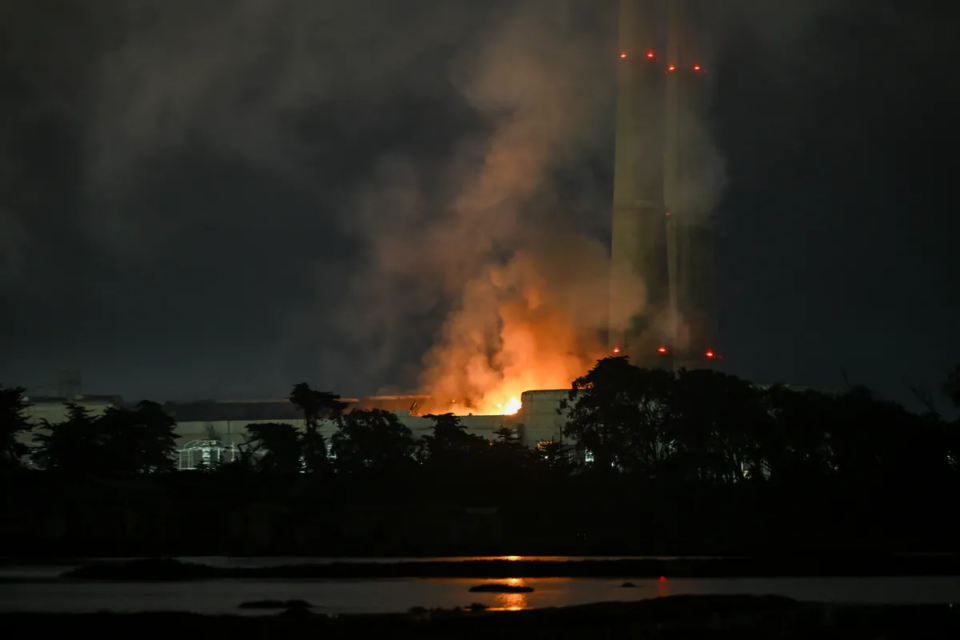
<point x="677" y="616"/>
<point x="783" y="566"/>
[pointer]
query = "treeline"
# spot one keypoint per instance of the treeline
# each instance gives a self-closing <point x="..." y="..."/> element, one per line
<point x="700" y="427"/>
<point x="696" y="462"/>
<point x="142" y="440"/>
<point x="708" y="427"/>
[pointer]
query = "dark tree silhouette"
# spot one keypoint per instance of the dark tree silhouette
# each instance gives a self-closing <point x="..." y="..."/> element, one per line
<point x="279" y="447"/>
<point x="508" y="453"/>
<point x="671" y="454"/>
<point x="620" y="414"/>
<point x="77" y="446"/>
<point x="118" y="442"/>
<point x="13" y="425"/>
<point x="316" y="406"/>
<point x="373" y="441"/>
<point x="715" y="424"/>
<point x="507" y="437"/>
<point x="450" y="439"/>
<point x="795" y="445"/>
<point x="554" y="457"/>
<point x="143" y="440"/>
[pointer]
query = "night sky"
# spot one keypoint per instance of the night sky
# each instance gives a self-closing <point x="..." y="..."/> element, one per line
<point x="220" y="199"/>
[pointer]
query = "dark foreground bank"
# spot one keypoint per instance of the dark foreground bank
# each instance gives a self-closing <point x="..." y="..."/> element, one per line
<point x="677" y="617"/>
<point x="782" y="566"/>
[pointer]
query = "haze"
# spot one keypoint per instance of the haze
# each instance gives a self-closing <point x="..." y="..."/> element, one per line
<point x="220" y="199"/>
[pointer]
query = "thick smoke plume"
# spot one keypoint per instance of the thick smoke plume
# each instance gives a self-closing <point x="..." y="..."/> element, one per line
<point x="527" y="297"/>
<point x="370" y="193"/>
<point x="533" y="322"/>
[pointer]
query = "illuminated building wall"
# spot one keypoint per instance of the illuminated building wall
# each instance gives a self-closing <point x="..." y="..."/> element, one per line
<point x="225" y="422"/>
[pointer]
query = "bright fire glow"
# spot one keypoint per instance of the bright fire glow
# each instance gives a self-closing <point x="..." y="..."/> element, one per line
<point x="513" y="601"/>
<point x="526" y="325"/>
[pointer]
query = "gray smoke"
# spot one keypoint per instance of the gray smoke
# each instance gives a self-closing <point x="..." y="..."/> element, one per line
<point x="456" y="224"/>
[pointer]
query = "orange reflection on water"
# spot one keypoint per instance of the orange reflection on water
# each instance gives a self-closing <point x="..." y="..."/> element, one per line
<point x="543" y="595"/>
<point x="512" y="601"/>
<point x="513" y="558"/>
<point x="663" y="588"/>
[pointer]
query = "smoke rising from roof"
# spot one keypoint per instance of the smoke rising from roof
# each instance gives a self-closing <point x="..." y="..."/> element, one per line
<point x="256" y="192"/>
<point x="538" y="88"/>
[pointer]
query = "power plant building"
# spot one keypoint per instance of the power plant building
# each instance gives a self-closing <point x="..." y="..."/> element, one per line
<point x="663" y="306"/>
<point x="211" y="431"/>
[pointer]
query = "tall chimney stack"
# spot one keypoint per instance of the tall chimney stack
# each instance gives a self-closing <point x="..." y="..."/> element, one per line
<point x="663" y="308"/>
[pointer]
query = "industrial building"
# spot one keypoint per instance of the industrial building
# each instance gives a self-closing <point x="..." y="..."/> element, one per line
<point x="210" y="431"/>
<point x="663" y="307"/>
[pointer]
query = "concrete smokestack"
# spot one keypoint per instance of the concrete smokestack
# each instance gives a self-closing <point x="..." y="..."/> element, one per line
<point x="639" y="280"/>
<point x="661" y="232"/>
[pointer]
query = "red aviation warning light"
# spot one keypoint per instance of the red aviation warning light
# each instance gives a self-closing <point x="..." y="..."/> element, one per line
<point x="696" y="67"/>
<point x="672" y="67"/>
<point x="623" y="54"/>
<point x="616" y="349"/>
<point x="710" y="354"/>
<point x="650" y="54"/>
<point x="662" y="349"/>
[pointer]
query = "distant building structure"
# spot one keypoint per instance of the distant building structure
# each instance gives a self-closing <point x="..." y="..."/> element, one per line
<point x="53" y="409"/>
<point x="211" y="431"/>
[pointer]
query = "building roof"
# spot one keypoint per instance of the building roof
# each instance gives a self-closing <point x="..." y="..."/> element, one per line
<point x="212" y="411"/>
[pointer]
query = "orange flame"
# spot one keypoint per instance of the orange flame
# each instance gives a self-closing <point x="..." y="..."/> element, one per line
<point x="531" y="324"/>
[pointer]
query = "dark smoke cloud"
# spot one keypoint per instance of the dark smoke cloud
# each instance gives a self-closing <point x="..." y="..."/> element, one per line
<point x="220" y="198"/>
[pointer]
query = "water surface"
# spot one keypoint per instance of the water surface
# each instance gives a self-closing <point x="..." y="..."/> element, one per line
<point x="399" y="595"/>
